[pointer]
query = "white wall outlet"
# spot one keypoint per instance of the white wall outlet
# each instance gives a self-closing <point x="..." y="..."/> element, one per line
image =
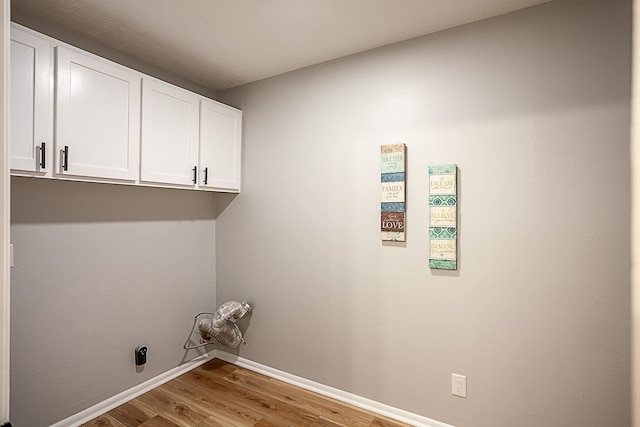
<point x="459" y="385"/>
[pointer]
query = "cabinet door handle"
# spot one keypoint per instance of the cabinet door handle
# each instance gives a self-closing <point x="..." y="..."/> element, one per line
<point x="65" y="158"/>
<point x="195" y="174"/>
<point x="206" y="176"/>
<point x="43" y="153"/>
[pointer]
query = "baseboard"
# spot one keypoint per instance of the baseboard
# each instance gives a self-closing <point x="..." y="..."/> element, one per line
<point x="117" y="400"/>
<point x="334" y="393"/>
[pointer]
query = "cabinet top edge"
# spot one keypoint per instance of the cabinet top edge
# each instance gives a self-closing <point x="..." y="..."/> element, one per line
<point x="55" y="43"/>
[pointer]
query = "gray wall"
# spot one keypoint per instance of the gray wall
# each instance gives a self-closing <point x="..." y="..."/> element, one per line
<point x="98" y="270"/>
<point x="534" y="108"/>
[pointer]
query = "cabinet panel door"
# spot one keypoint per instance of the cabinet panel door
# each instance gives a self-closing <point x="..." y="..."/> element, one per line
<point x="170" y="126"/>
<point x="97" y="117"/>
<point x="220" y="146"/>
<point x="31" y="104"/>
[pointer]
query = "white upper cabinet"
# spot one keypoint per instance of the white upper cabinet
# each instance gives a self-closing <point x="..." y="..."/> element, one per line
<point x="97" y="117"/>
<point x="31" y="104"/>
<point x="76" y="116"/>
<point x="220" y="146"/>
<point x="170" y="126"/>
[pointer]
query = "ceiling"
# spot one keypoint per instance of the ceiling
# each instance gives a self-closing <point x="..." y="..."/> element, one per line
<point x="224" y="43"/>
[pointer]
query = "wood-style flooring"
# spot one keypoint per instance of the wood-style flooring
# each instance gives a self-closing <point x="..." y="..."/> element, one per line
<point x="222" y="394"/>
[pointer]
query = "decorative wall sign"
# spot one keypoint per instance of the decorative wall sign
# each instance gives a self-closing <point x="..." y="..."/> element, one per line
<point x="392" y="192"/>
<point x="443" y="217"/>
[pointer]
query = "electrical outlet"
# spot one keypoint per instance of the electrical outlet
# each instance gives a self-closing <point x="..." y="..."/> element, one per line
<point x="459" y="385"/>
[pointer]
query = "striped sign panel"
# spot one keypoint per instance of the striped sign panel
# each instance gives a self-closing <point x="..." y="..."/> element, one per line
<point x="443" y="217"/>
<point x="392" y="192"/>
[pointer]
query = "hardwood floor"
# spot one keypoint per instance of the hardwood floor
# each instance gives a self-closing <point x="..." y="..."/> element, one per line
<point x="222" y="394"/>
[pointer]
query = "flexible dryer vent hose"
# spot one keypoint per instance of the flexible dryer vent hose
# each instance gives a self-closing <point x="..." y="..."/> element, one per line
<point x="221" y="326"/>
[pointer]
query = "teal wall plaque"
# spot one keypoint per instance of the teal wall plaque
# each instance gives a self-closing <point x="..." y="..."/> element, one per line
<point x="443" y="217"/>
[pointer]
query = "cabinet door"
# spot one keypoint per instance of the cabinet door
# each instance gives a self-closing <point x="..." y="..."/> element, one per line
<point x="97" y="117"/>
<point x="170" y="119"/>
<point x="31" y="104"/>
<point x="220" y="142"/>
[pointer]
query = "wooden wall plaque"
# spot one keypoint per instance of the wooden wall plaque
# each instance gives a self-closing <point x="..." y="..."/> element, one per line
<point x="443" y="217"/>
<point x="392" y="192"/>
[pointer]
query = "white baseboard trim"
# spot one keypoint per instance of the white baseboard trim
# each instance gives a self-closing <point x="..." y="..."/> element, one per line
<point x="117" y="400"/>
<point x="334" y="393"/>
